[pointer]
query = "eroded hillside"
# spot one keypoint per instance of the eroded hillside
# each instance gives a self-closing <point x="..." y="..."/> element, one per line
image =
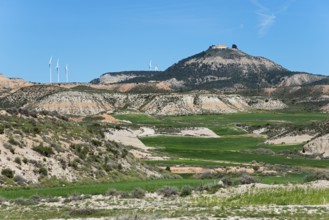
<point x="38" y="146"/>
<point x="93" y="101"/>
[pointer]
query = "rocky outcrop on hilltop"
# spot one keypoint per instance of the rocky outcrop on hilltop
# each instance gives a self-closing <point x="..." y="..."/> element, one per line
<point x="88" y="103"/>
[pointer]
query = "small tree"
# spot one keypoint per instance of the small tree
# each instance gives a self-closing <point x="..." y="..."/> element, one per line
<point x="234" y="46"/>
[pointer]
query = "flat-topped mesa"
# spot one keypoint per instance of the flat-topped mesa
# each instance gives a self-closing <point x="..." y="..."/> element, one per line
<point x="219" y="46"/>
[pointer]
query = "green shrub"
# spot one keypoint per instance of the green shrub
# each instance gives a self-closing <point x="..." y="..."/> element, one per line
<point x="25" y="202"/>
<point x="168" y="191"/>
<point x="112" y="192"/>
<point x="43" y="171"/>
<point x="25" y="160"/>
<point x="7" y="173"/>
<point x="9" y="147"/>
<point x="18" y="160"/>
<point x="227" y="181"/>
<point x="124" y="153"/>
<point x="247" y="179"/>
<point x="20" y="180"/>
<point x="138" y="193"/>
<point x="45" y="151"/>
<point x="13" y="141"/>
<point x="186" y="190"/>
<point x="210" y="187"/>
<point x="83" y="212"/>
<point x="316" y="176"/>
<point x="96" y="142"/>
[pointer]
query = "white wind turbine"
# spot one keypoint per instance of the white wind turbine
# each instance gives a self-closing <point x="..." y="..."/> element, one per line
<point x="156" y="68"/>
<point x="150" y="65"/>
<point x="57" y="68"/>
<point x="51" y="58"/>
<point x="67" y="72"/>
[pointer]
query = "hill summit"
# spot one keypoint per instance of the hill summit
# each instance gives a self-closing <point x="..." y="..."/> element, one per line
<point x="221" y="67"/>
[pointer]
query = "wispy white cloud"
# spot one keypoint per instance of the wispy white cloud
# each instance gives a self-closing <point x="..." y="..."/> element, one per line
<point x="266" y="21"/>
<point x="267" y="16"/>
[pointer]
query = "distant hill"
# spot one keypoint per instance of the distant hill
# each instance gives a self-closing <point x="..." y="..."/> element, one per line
<point x="219" y="67"/>
<point x="117" y="77"/>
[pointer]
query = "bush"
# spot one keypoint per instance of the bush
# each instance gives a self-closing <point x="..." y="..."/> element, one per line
<point x="138" y="193"/>
<point x="13" y="141"/>
<point x="20" y="180"/>
<point x="186" y="190"/>
<point x="124" y="153"/>
<point x="113" y="192"/>
<point x="45" y="151"/>
<point x="9" y="147"/>
<point x="96" y="142"/>
<point x="18" y="160"/>
<point x="208" y="175"/>
<point x="316" y="176"/>
<point x="247" y="179"/>
<point x="43" y="171"/>
<point x="7" y="173"/>
<point x="25" y="160"/>
<point x="168" y="191"/>
<point x="25" y="202"/>
<point x="210" y="187"/>
<point x="85" y="211"/>
<point x="227" y="181"/>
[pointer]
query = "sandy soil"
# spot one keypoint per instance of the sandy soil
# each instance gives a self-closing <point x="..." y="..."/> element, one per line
<point x="126" y="137"/>
<point x="110" y="119"/>
<point x="198" y="132"/>
<point x="186" y="169"/>
<point x="291" y="139"/>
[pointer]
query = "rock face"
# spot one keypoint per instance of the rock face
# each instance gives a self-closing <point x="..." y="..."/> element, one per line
<point x="318" y="146"/>
<point x="74" y="103"/>
<point x="87" y="103"/>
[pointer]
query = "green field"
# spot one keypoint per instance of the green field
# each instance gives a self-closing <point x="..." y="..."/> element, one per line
<point x="259" y="118"/>
<point x="225" y="149"/>
<point x="98" y="188"/>
<point x="233" y="148"/>
<point x="233" y="141"/>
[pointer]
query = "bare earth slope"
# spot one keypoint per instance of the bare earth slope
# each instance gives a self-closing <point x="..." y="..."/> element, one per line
<point x="9" y="84"/>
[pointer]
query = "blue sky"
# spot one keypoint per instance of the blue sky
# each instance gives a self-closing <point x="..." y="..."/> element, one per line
<point x="98" y="36"/>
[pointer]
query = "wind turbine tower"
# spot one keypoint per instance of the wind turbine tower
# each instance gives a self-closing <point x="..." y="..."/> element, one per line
<point x="51" y="58"/>
<point x="67" y="72"/>
<point x="57" y="68"/>
<point x="150" y="65"/>
<point x="156" y="68"/>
